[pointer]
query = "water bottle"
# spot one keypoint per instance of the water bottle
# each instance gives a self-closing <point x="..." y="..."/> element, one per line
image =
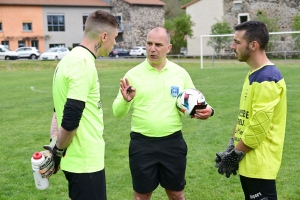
<point x="40" y="182"/>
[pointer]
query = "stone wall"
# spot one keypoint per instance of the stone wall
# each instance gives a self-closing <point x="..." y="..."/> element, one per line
<point x="137" y="21"/>
<point x="283" y="10"/>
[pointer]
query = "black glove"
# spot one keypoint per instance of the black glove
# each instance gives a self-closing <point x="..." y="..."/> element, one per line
<point x="229" y="148"/>
<point x="53" y="155"/>
<point x="229" y="162"/>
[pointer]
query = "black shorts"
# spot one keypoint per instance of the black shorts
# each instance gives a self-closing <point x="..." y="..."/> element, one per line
<point x="155" y="161"/>
<point x="258" y="189"/>
<point x="86" y="185"/>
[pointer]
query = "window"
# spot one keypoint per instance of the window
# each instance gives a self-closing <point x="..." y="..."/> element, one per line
<point x="5" y="43"/>
<point x="35" y="43"/>
<point x="56" y="22"/>
<point x="27" y="26"/>
<point x="56" y="45"/>
<point x="237" y="5"/>
<point x="84" y="18"/>
<point x="75" y="45"/>
<point x="243" y="17"/>
<point x="0" y="26"/>
<point x="119" y="20"/>
<point x="21" y="43"/>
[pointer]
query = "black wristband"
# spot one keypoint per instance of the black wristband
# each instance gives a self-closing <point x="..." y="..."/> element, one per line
<point x="212" y="112"/>
<point x="129" y="101"/>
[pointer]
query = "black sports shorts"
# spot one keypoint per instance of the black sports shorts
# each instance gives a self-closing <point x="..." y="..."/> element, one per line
<point x="86" y="185"/>
<point x="155" y="161"/>
<point x="258" y="189"/>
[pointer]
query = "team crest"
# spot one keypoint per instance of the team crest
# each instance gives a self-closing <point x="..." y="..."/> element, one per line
<point x="174" y="91"/>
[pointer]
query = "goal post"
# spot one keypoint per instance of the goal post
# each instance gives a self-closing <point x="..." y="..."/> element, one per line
<point x="231" y="35"/>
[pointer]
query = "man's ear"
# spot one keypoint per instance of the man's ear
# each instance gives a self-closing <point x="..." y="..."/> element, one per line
<point x="169" y="47"/>
<point x="104" y="36"/>
<point x="253" y="46"/>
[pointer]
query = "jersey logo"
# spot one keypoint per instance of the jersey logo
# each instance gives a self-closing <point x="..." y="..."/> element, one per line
<point x="174" y="91"/>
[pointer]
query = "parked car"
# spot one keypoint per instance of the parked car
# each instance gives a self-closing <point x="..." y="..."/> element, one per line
<point x="183" y="51"/>
<point x="28" y="52"/>
<point x="119" y="52"/>
<point x="138" y="51"/>
<point x="6" y="54"/>
<point x="54" y="53"/>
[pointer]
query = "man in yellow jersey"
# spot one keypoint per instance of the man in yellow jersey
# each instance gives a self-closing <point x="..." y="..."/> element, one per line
<point x="157" y="151"/>
<point x="256" y="146"/>
<point x="78" y="147"/>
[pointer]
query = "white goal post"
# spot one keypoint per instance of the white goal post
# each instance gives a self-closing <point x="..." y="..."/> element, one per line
<point x="226" y="35"/>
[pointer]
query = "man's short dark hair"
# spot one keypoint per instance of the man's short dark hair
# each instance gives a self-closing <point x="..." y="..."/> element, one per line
<point x="255" y="31"/>
<point x="100" y="21"/>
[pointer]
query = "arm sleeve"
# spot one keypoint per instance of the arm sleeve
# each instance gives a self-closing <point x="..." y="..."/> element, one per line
<point x="266" y="97"/>
<point x="72" y="114"/>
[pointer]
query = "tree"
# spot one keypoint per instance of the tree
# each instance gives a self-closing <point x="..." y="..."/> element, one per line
<point x="179" y="27"/>
<point x="219" y="43"/>
<point x="296" y="27"/>
<point x="172" y="8"/>
<point x="272" y="25"/>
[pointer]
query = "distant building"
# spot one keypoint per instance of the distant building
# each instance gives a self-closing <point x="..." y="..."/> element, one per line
<point x="45" y="24"/>
<point x="137" y="18"/>
<point x="205" y="13"/>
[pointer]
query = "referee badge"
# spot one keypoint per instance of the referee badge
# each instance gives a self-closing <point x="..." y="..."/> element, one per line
<point x="174" y="91"/>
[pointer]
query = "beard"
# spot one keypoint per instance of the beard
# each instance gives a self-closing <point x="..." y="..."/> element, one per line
<point x="244" y="55"/>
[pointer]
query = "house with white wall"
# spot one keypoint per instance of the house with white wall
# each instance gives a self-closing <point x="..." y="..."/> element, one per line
<point x="205" y="13"/>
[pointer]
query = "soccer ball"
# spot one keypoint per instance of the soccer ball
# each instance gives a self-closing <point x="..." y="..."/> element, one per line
<point x="189" y="100"/>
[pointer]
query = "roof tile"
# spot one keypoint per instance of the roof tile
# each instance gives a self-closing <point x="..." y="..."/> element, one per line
<point x="146" y="2"/>
<point x="55" y="2"/>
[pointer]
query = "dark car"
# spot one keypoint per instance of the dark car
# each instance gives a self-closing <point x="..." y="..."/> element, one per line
<point x="118" y="52"/>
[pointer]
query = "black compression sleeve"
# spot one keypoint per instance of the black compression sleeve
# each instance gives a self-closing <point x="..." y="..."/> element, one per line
<point x="72" y="114"/>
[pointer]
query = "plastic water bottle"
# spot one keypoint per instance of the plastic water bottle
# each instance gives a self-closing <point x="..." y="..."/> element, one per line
<point x="40" y="182"/>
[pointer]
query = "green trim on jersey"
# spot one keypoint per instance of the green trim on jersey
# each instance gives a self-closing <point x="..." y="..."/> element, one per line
<point x="261" y="122"/>
<point x="154" y="111"/>
<point x="76" y="77"/>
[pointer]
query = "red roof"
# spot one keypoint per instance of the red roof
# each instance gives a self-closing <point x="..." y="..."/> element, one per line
<point x="56" y="2"/>
<point x="188" y="4"/>
<point x="146" y="2"/>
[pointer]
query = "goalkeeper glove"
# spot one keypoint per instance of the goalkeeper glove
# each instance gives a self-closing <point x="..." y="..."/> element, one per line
<point x="229" y="148"/>
<point x="229" y="162"/>
<point x="52" y="156"/>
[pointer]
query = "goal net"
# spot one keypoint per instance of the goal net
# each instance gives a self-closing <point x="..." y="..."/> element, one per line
<point x="282" y="45"/>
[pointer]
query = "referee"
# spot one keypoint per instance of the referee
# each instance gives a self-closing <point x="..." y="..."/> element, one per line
<point x="157" y="150"/>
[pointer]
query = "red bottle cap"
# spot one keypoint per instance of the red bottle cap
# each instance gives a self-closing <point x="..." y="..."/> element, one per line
<point x="37" y="155"/>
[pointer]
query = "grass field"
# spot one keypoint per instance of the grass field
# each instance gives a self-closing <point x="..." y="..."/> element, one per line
<point x="26" y="110"/>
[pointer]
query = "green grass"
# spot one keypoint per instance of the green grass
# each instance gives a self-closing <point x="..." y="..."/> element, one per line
<point x="26" y="111"/>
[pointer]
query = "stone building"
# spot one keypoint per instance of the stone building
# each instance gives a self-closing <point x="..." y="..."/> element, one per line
<point x="205" y="13"/>
<point x="137" y="18"/>
<point x="236" y="12"/>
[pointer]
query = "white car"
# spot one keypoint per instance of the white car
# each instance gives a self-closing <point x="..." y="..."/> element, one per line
<point x="6" y="54"/>
<point x="138" y="51"/>
<point x="54" y="53"/>
<point x="28" y="52"/>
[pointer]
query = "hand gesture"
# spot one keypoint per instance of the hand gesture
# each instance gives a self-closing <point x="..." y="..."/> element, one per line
<point x="127" y="91"/>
